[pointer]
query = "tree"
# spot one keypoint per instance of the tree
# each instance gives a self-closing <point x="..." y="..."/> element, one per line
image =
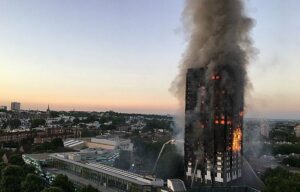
<point x="277" y="180"/>
<point x="286" y="149"/>
<point x="90" y="119"/>
<point x="63" y="182"/>
<point x="14" y="123"/>
<point x="292" y="161"/>
<point x="2" y="166"/>
<point x="76" y="121"/>
<point x="16" y="159"/>
<point x="56" y="143"/>
<point x="170" y="164"/>
<point x="118" y="120"/>
<point x="61" y="121"/>
<point x="157" y="124"/>
<point x="33" y="183"/>
<point x="37" y="122"/>
<point x="27" y="169"/>
<point x="4" y="124"/>
<point x="88" y="188"/>
<point x="53" y="189"/>
<point x="11" y="177"/>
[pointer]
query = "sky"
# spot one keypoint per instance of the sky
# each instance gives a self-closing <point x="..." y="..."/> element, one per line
<point x="122" y="55"/>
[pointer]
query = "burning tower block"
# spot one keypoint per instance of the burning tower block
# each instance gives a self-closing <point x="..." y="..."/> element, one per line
<point x="213" y="127"/>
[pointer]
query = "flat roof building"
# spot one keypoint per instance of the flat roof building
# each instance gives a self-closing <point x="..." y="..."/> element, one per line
<point x="110" y="143"/>
<point x="297" y="130"/>
<point x="103" y="177"/>
<point x="3" y="108"/>
<point x="15" y="106"/>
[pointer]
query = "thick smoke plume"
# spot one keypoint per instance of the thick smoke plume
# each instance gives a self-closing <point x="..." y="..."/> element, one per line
<point x="218" y="39"/>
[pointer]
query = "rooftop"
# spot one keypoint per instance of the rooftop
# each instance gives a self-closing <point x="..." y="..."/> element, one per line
<point x="73" y="143"/>
<point x="132" y="177"/>
<point x="39" y="156"/>
<point x="81" y="180"/>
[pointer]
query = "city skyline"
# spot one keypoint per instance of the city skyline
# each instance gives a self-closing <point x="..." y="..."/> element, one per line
<point x="123" y="56"/>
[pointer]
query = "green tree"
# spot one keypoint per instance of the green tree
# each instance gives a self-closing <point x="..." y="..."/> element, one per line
<point x="33" y="183"/>
<point x="157" y="124"/>
<point x="11" y="177"/>
<point x="54" y="114"/>
<point x="61" y="121"/>
<point x="76" y="121"/>
<point x="278" y="180"/>
<point x="292" y="161"/>
<point x="14" y="123"/>
<point x="27" y="169"/>
<point x="56" y="143"/>
<point x="37" y="122"/>
<point x="4" y="124"/>
<point x="2" y="166"/>
<point x="53" y="189"/>
<point x="90" y="119"/>
<point x="16" y="159"/>
<point x="118" y="120"/>
<point x="88" y="188"/>
<point x="63" y="182"/>
<point x="170" y="164"/>
<point x="286" y="149"/>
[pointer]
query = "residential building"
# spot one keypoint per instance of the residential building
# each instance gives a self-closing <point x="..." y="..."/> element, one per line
<point x="213" y="129"/>
<point x="15" y="106"/>
<point x="110" y="143"/>
<point x="3" y="108"/>
<point x="297" y="130"/>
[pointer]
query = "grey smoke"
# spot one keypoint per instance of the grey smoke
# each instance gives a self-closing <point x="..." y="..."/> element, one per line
<point x="218" y="39"/>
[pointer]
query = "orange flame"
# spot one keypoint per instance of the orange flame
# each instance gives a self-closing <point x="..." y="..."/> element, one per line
<point x="237" y="138"/>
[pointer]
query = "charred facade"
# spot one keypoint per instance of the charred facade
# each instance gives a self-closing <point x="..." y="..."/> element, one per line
<point x="213" y="126"/>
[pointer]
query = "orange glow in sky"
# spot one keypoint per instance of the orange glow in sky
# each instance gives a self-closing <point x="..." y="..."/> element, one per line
<point x="102" y="55"/>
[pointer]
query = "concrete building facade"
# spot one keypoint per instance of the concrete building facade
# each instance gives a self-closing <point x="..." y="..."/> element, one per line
<point x="297" y="130"/>
<point x="15" y="106"/>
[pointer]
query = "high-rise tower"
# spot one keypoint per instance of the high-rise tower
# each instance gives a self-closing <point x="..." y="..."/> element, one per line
<point x="15" y="106"/>
<point x="213" y="127"/>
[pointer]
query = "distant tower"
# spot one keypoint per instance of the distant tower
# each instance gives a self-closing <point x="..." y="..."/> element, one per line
<point x="213" y="129"/>
<point x="48" y="112"/>
<point x="15" y="106"/>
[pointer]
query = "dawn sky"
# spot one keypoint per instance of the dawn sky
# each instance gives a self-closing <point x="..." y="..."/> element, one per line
<point x="123" y="55"/>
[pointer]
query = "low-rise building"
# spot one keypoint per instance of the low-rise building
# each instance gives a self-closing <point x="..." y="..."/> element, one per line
<point x="110" y="143"/>
<point x="15" y="136"/>
<point x="3" y="108"/>
<point x="102" y="177"/>
<point x="297" y="130"/>
<point x="74" y="143"/>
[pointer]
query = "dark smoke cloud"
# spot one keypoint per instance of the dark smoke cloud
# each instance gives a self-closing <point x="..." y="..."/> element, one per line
<point x="218" y="38"/>
<point x="218" y="34"/>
